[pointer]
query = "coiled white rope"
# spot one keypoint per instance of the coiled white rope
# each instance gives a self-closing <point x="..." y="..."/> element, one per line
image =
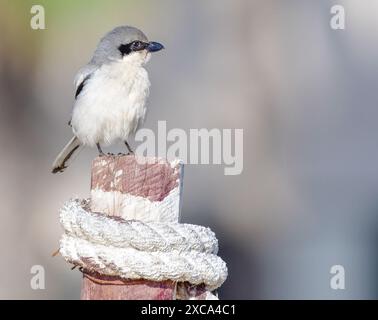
<point x="153" y="251"/>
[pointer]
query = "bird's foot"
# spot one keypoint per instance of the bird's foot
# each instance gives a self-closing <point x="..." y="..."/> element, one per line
<point x="110" y="154"/>
<point x="100" y="152"/>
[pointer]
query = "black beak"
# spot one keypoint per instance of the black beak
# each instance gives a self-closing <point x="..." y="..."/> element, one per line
<point x="154" y="46"/>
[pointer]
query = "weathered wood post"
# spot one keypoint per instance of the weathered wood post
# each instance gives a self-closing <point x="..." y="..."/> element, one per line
<point x="134" y="189"/>
<point x="127" y="239"/>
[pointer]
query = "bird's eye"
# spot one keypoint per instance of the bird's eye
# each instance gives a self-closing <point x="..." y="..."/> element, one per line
<point x="137" y="45"/>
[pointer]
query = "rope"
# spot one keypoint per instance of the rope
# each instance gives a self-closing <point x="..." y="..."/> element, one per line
<point x="133" y="249"/>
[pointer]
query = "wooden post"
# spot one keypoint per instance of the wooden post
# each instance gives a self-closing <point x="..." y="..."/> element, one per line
<point x="133" y="188"/>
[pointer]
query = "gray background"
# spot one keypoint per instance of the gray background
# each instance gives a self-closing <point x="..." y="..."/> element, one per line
<point x="304" y="94"/>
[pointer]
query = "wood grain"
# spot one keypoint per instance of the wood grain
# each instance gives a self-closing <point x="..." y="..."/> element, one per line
<point x="100" y="287"/>
<point x="153" y="179"/>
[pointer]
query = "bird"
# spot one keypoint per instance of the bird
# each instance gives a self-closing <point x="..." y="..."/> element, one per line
<point x="111" y="93"/>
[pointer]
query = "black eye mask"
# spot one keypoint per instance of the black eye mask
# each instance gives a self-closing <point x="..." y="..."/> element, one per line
<point x="126" y="49"/>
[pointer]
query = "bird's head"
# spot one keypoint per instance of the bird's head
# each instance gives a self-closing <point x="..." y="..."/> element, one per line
<point x="125" y="43"/>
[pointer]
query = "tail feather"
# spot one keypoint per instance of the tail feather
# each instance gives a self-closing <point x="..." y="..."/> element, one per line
<point x="60" y="162"/>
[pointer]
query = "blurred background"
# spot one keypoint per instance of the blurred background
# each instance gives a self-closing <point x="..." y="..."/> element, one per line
<point x="305" y="94"/>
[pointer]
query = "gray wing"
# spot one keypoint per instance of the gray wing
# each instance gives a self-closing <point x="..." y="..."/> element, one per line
<point x="82" y="76"/>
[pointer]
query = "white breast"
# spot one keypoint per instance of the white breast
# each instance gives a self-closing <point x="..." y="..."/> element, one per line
<point x="111" y="105"/>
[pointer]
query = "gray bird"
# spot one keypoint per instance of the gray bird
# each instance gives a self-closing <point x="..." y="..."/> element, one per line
<point x="111" y="93"/>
